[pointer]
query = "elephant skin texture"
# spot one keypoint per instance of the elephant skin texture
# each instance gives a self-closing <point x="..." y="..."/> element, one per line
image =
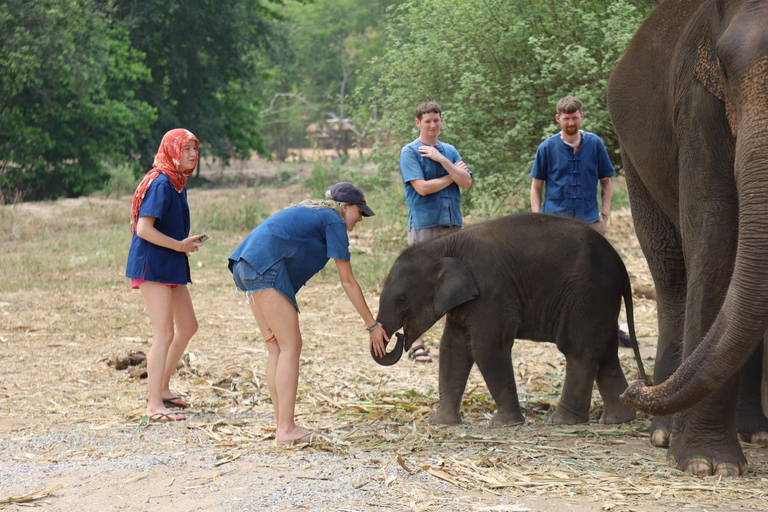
<point x="531" y="276"/>
<point x="689" y="102"/>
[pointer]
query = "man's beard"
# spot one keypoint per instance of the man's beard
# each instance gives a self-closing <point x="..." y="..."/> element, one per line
<point x="571" y="130"/>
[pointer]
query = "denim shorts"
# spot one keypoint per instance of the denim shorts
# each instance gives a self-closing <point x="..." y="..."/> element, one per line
<point x="249" y="280"/>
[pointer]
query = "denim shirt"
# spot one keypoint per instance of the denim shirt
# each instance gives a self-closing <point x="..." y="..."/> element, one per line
<point x="149" y="261"/>
<point x="571" y="179"/>
<point x="303" y="238"/>
<point x="442" y="208"/>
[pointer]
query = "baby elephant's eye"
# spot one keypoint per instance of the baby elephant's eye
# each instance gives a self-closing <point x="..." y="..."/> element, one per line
<point x="402" y="302"/>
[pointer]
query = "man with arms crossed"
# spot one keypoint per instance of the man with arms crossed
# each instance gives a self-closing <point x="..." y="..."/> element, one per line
<point x="432" y="173"/>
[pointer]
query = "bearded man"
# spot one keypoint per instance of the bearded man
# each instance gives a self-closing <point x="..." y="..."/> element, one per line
<point x="571" y="163"/>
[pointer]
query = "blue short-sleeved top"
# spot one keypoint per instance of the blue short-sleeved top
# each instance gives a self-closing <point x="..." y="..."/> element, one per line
<point x="304" y="238"/>
<point x="149" y="261"/>
<point x="571" y="179"/>
<point x="439" y="209"/>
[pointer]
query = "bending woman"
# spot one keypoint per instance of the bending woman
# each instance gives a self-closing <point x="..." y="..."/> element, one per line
<point x="274" y="261"/>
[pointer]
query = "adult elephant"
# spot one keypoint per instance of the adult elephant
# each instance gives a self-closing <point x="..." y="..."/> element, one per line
<point x="689" y="101"/>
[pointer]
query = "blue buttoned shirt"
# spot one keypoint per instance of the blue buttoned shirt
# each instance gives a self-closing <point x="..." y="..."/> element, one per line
<point x="149" y="261"/>
<point x="442" y="208"/>
<point x="571" y="179"/>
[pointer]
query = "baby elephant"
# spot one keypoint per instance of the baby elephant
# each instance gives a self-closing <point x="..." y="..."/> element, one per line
<point x="529" y="276"/>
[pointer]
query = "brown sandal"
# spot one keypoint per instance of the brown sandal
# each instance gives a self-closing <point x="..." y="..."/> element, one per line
<point x="419" y="355"/>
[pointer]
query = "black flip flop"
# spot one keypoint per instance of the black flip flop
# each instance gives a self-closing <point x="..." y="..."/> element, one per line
<point x="169" y="402"/>
<point x="162" y="417"/>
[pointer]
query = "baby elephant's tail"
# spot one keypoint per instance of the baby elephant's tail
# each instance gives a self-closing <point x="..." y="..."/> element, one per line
<point x="631" y="322"/>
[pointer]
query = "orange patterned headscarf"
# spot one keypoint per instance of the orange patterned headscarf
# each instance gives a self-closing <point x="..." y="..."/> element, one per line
<point x="167" y="161"/>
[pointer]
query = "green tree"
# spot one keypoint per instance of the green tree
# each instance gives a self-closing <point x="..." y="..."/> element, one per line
<point x="498" y="69"/>
<point x="67" y="75"/>
<point x="201" y="55"/>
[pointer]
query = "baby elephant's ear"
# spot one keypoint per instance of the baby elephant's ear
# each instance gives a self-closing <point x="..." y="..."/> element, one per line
<point x="455" y="286"/>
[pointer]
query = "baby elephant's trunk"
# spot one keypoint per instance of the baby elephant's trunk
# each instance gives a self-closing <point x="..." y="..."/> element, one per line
<point x="392" y="357"/>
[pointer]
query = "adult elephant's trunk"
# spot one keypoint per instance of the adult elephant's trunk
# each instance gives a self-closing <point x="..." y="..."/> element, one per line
<point x="392" y="357"/>
<point x="743" y="317"/>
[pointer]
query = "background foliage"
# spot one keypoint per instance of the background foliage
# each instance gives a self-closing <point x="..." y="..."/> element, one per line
<point x="201" y="55"/>
<point x="85" y="86"/>
<point x="88" y="88"/>
<point x="322" y="55"/>
<point x="67" y="101"/>
<point x="498" y="68"/>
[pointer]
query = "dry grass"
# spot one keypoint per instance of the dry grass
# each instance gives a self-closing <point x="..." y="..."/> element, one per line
<point x="58" y="334"/>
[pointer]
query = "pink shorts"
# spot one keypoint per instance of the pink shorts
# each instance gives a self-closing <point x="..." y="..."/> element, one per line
<point x="135" y="283"/>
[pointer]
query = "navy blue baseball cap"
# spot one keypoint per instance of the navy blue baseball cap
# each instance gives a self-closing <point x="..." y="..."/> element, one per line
<point x="348" y="193"/>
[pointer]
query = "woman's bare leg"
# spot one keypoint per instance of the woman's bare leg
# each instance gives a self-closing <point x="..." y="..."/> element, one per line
<point x="283" y="319"/>
<point x="158" y="300"/>
<point x="186" y="327"/>
<point x="273" y="351"/>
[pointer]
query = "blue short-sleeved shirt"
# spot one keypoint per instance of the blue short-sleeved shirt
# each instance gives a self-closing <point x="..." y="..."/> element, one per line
<point x="149" y="261"/>
<point x="439" y="209"/>
<point x="571" y="179"/>
<point x="304" y="238"/>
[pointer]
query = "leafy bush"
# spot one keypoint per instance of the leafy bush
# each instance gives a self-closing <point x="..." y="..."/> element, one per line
<point x="121" y="179"/>
<point x="322" y="177"/>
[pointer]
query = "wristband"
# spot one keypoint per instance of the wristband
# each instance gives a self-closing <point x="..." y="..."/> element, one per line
<point x="604" y="216"/>
<point x="371" y="328"/>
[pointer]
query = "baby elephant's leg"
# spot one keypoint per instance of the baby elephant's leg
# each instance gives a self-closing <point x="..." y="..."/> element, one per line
<point x="611" y="383"/>
<point x="574" y="402"/>
<point x="455" y="364"/>
<point x="499" y="375"/>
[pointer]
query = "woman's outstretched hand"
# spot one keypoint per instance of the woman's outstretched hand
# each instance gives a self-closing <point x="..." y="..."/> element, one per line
<point x="379" y="340"/>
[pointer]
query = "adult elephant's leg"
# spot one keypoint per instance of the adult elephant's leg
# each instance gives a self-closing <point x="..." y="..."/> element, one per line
<point x="611" y="383"/>
<point x="704" y="439"/>
<point x="493" y="354"/>
<point x="751" y="423"/>
<point x="455" y="364"/>
<point x="663" y="249"/>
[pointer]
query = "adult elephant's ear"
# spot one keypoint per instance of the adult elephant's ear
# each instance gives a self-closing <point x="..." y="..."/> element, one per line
<point x="710" y="74"/>
<point x="455" y="286"/>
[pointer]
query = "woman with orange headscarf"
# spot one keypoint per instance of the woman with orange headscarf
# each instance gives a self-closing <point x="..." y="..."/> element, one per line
<point x="158" y="265"/>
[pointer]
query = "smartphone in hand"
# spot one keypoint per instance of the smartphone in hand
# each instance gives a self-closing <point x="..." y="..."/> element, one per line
<point x="203" y="238"/>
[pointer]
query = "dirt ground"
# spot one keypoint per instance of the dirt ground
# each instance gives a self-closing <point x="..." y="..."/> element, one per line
<point x="72" y="439"/>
